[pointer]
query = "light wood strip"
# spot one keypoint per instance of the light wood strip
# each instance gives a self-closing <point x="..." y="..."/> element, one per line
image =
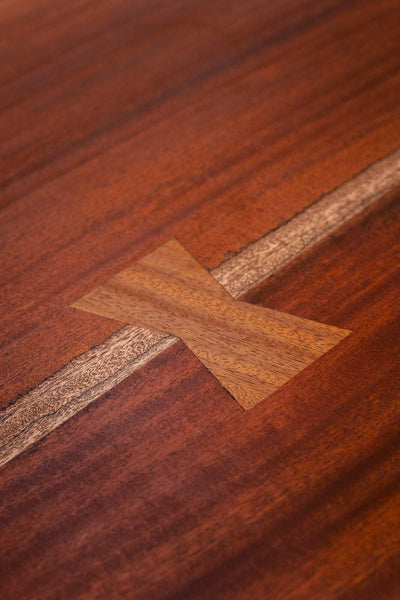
<point x="274" y="250"/>
<point x="95" y="372"/>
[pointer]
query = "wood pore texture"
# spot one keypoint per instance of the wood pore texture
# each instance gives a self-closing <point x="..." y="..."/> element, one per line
<point x="251" y="350"/>
<point x="125" y="123"/>
<point x="249" y="131"/>
<point x="165" y="489"/>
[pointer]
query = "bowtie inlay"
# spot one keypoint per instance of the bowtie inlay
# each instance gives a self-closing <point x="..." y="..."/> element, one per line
<point x="251" y="350"/>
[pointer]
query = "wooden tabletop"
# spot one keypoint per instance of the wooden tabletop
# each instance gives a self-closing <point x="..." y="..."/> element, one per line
<point x="263" y="137"/>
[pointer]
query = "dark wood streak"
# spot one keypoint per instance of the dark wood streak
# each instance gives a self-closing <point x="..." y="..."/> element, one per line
<point x="143" y="495"/>
<point x="125" y="124"/>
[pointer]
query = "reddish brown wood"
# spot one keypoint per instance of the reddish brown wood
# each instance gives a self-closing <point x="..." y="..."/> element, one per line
<point x="125" y="123"/>
<point x="143" y="495"/>
<point x="95" y="372"/>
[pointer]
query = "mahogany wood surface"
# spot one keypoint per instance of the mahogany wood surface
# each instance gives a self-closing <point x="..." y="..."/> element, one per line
<point x="125" y="123"/>
<point x="95" y="372"/>
<point x="251" y="350"/>
<point x="165" y="489"/>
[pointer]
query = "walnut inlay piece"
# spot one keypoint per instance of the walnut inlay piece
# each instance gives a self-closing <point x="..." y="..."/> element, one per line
<point x="251" y="350"/>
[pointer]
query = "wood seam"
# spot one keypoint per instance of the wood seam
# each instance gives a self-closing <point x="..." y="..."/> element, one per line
<point x="90" y="375"/>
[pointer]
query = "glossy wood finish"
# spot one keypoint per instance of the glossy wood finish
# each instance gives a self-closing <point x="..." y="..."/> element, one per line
<point x="143" y="495"/>
<point x="90" y="375"/>
<point x="126" y="123"/>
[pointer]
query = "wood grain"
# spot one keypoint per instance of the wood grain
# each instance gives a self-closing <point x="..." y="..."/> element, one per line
<point x="262" y="257"/>
<point x="127" y="123"/>
<point x="142" y="495"/>
<point x="95" y="372"/>
<point x="251" y="351"/>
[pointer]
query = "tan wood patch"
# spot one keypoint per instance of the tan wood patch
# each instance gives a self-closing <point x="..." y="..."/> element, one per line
<point x="250" y="349"/>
